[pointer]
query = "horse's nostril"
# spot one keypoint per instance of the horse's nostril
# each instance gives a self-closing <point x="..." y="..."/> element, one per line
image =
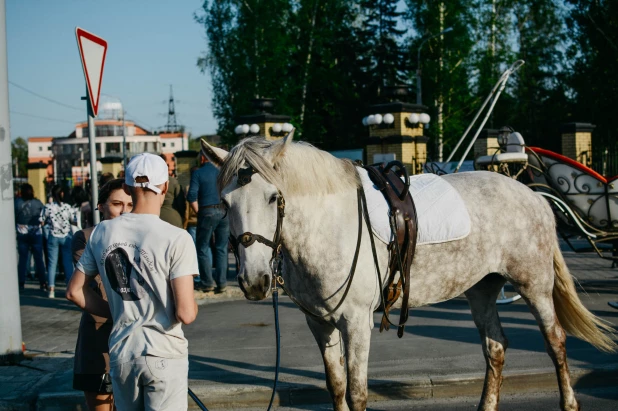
<point x="266" y="281"/>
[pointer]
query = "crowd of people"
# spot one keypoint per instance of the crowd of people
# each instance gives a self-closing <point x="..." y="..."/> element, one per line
<point x="133" y="274"/>
<point x="46" y="227"/>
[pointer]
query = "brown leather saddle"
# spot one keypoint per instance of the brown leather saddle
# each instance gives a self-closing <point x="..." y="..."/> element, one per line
<point x="403" y="222"/>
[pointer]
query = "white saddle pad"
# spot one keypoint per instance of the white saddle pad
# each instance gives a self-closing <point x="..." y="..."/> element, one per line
<point x="441" y="212"/>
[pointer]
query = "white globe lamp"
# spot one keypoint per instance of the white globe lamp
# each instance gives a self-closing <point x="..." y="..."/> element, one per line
<point x="388" y="118"/>
<point x="287" y="127"/>
<point x="245" y="128"/>
<point x="277" y="128"/>
<point x="414" y="118"/>
<point x="424" y="118"/>
<point x="254" y="128"/>
<point x="378" y="118"/>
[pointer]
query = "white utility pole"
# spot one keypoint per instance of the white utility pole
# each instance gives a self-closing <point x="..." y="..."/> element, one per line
<point x="10" y="316"/>
<point x="94" y="183"/>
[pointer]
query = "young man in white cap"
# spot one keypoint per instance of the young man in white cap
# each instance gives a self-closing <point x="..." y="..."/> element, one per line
<point x="147" y="268"/>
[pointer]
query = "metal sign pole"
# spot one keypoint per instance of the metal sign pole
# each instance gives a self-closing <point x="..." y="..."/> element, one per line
<point x="10" y="317"/>
<point x="94" y="181"/>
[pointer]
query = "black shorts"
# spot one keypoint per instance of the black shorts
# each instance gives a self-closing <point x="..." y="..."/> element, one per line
<point x="99" y="383"/>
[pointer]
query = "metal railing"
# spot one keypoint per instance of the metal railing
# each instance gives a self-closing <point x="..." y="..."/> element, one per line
<point x="605" y="160"/>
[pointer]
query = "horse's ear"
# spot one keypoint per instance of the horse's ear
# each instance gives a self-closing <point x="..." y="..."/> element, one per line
<point x="282" y="145"/>
<point x="215" y="155"/>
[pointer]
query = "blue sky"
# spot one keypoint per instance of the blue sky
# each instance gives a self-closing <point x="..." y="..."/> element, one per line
<point x="151" y="44"/>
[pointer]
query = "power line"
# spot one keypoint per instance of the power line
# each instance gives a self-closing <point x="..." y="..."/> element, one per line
<point x="138" y="120"/>
<point x="41" y="117"/>
<point x="51" y="100"/>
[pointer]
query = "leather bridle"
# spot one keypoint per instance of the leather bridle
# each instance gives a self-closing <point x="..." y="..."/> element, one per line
<point x="247" y="238"/>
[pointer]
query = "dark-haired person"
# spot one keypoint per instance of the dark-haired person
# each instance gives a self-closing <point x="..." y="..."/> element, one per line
<point x="58" y="217"/>
<point x="81" y="201"/>
<point x="29" y="236"/>
<point x="105" y="178"/>
<point x="91" y="369"/>
<point x="147" y="268"/>
<point x="173" y="208"/>
<point x="212" y="218"/>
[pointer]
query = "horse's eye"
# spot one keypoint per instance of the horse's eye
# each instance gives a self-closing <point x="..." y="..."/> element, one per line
<point x="273" y="198"/>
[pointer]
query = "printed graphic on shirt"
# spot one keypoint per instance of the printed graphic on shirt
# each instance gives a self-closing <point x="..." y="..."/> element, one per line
<point x="125" y="280"/>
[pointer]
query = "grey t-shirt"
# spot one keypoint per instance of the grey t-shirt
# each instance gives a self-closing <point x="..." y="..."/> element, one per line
<point x="137" y="255"/>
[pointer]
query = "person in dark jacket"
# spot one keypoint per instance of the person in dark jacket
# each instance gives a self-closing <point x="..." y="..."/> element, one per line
<point x="212" y="218"/>
<point x="29" y="236"/>
<point x="91" y="368"/>
<point x="174" y="205"/>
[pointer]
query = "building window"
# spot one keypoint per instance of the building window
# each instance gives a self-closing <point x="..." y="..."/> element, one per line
<point x="172" y="144"/>
<point x="163" y="145"/>
<point x="113" y="147"/>
<point x="40" y="148"/>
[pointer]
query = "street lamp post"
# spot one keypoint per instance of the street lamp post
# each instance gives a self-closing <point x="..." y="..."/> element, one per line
<point x="55" y="168"/>
<point x="81" y="163"/>
<point x="419" y="99"/>
<point x="124" y="141"/>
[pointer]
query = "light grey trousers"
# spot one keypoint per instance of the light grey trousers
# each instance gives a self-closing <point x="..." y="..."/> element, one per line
<point x="151" y="383"/>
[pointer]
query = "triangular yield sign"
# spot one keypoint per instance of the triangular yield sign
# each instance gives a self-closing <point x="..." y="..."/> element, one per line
<point x="92" y="50"/>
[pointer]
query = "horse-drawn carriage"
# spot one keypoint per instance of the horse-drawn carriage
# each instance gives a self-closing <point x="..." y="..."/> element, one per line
<point x="584" y="202"/>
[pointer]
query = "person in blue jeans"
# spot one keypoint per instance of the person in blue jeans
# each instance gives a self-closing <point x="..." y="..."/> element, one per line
<point x="58" y="217"/>
<point x="211" y="219"/>
<point x="29" y="236"/>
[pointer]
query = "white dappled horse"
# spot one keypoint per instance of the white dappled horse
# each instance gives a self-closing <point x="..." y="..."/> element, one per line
<point x="512" y="239"/>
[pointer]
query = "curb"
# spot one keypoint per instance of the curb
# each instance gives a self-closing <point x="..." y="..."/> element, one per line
<point x="234" y="396"/>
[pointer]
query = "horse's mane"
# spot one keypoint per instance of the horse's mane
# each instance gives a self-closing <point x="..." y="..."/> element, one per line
<point x="300" y="169"/>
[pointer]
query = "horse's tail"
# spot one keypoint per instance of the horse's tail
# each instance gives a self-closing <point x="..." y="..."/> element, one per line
<point x="572" y="314"/>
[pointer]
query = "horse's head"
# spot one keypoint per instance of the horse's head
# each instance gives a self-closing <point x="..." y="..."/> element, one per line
<point x="252" y="207"/>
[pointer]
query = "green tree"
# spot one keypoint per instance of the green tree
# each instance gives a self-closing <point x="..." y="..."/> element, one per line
<point x="329" y="93"/>
<point x="446" y="68"/>
<point x="379" y="39"/>
<point x="593" y="24"/>
<point x="19" y="152"/>
<point x="248" y="55"/>
<point x="304" y="55"/>
<point x="538" y="94"/>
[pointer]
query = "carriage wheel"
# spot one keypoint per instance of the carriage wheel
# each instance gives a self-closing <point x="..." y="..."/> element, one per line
<point x="507" y="295"/>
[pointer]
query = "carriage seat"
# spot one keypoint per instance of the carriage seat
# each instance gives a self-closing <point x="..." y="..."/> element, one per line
<point x="593" y="197"/>
<point x="512" y="151"/>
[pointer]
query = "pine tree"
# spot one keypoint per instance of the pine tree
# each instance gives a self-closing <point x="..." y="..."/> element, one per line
<point x="326" y="96"/>
<point x="592" y="75"/>
<point x="381" y="55"/>
<point x="249" y="51"/>
<point x="538" y="93"/>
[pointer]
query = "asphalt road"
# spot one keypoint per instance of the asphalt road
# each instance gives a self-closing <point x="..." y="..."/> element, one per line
<point x="590" y="400"/>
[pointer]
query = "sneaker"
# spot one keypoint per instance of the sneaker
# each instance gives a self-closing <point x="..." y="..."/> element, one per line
<point x="220" y="290"/>
<point x="202" y="287"/>
<point x="51" y="294"/>
<point x="613" y="304"/>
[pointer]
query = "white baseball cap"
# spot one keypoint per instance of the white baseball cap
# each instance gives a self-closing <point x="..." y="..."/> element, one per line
<point x="150" y="166"/>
